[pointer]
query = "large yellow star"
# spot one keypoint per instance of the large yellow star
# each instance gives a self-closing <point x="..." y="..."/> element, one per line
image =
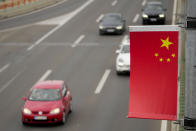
<point x="166" y="43"/>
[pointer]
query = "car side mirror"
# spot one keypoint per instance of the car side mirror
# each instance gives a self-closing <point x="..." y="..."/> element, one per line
<point x="117" y="51"/>
<point x="24" y="98"/>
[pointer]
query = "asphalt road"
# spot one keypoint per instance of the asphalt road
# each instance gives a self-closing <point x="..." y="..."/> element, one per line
<point x="70" y="48"/>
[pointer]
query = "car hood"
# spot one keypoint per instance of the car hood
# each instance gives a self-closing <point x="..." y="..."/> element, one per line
<point x="153" y="12"/>
<point x="42" y="105"/>
<point x="111" y="24"/>
<point x="125" y="57"/>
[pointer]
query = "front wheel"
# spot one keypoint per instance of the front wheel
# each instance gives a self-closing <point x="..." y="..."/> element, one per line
<point x="70" y="108"/>
<point x="64" y="118"/>
<point x="118" y="73"/>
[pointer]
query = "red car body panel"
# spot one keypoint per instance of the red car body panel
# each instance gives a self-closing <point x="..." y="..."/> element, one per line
<point x="46" y="106"/>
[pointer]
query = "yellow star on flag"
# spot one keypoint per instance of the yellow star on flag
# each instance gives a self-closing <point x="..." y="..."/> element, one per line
<point x="161" y="59"/>
<point x="156" y="54"/>
<point x="166" y="43"/>
<point x="173" y="55"/>
<point x="168" y="59"/>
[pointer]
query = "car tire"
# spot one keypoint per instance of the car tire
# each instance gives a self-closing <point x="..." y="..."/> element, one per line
<point x="64" y="118"/>
<point x="118" y="73"/>
<point x="70" y="108"/>
<point x="101" y="33"/>
<point x="144" y="22"/>
<point x="23" y="123"/>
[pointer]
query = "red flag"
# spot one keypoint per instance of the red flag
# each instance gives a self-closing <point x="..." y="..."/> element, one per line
<point x="154" y="72"/>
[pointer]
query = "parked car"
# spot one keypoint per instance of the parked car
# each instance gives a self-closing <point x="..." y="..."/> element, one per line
<point x="153" y="13"/>
<point x="47" y="102"/>
<point x="123" y="59"/>
<point x="112" y="23"/>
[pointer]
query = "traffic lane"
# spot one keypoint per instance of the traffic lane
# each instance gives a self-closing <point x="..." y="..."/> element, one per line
<point x="80" y="23"/>
<point x="37" y="69"/>
<point x="13" y="44"/>
<point x="116" y="92"/>
<point x="85" y="23"/>
<point x="168" y="4"/>
<point x="17" y="56"/>
<point x="41" y="15"/>
<point x="110" y="107"/>
<point x="11" y="108"/>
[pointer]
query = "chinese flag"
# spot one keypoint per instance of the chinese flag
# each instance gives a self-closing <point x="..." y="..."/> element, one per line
<point x="153" y="75"/>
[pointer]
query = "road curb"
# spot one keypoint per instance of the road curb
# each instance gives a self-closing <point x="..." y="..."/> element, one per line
<point x="8" y="10"/>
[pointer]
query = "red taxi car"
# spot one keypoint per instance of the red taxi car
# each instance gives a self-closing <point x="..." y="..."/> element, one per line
<point x="47" y="102"/>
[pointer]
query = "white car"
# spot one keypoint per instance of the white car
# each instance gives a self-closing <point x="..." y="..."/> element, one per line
<point x="123" y="59"/>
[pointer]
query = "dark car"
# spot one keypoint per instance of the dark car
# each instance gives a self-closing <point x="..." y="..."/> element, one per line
<point x="112" y="23"/>
<point x="153" y="13"/>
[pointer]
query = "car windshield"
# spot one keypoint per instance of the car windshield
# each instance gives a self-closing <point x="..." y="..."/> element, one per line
<point x="44" y="95"/>
<point x="153" y="7"/>
<point x="125" y="49"/>
<point x="108" y="19"/>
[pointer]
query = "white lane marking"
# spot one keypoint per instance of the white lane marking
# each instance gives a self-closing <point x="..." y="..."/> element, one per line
<point x="102" y="81"/>
<point x="136" y="18"/>
<point x="78" y="40"/>
<point x="124" y="38"/>
<point x="164" y="125"/>
<point x="73" y="14"/>
<point x="45" y="75"/>
<point x="9" y="82"/>
<point x="99" y="18"/>
<point x="4" y="68"/>
<point x="114" y="2"/>
<point x="174" y="12"/>
<point x="144" y="2"/>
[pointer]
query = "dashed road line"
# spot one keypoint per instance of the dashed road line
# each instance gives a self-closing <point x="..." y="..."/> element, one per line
<point x="135" y="19"/>
<point x="78" y="40"/>
<point x="99" y="18"/>
<point x="9" y="82"/>
<point x="4" y="68"/>
<point x="164" y="125"/>
<point x="73" y="14"/>
<point x="144" y="2"/>
<point x="45" y="76"/>
<point x="174" y="12"/>
<point x="102" y="81"/>
<point x="124" y="38"/>
<point x="114" y="2"/>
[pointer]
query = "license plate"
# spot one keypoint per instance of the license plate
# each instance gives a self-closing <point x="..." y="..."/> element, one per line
<point x="110" y="30"/>
<point x="40" y="118"/>
<point x="153" y="19"/>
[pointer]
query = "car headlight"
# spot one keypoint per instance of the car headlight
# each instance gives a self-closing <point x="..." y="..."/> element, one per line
<point x="161" y="15"/>
<point x="101" y="27"/>
<point x="55" y="111"/>
<point x="27" y="111"/>
<point x="120" y="62"/>
<point x="145" y="16"/>
<point x="119" y="27"/>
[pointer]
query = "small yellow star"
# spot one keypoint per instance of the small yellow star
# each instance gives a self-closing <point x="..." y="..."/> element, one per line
<point x="166" y="43"/>
<point x="168" y="59"/>
<point x="173" y="55"/>
<point x="156" y="54"/>
<point x="161" y="59"/>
